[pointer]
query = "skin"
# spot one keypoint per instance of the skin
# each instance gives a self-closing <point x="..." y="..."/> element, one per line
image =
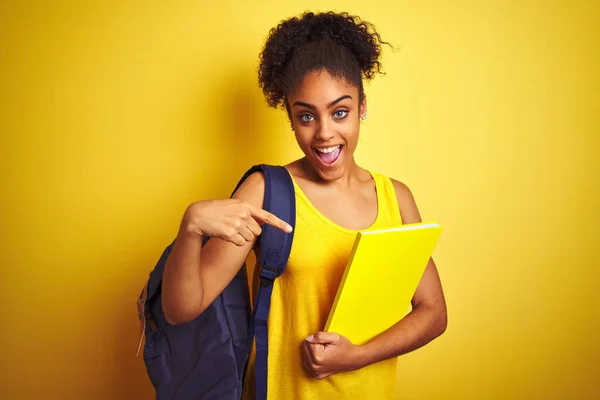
<point x="324" y="111"/>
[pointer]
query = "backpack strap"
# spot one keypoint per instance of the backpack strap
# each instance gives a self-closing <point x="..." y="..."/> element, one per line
<point x="275" y="247"/>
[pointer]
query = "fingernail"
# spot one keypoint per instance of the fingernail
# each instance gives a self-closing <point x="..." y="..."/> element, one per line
<point x="288" y="228"/>
<point x="309" y="338"/>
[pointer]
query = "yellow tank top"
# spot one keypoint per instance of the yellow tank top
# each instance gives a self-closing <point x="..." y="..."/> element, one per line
<point x="301" y="300"/>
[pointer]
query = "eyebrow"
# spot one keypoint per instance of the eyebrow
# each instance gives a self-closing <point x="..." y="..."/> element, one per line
<point x="333" y="103"/>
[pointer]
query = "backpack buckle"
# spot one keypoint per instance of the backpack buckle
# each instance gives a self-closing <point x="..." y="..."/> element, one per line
<point x="141" y="303"/>
<point x="267" y="275"/>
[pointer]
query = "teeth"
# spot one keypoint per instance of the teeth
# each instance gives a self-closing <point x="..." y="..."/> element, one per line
<point x="328" y="149"/>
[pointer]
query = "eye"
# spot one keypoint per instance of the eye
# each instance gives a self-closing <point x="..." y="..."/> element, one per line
<point x="306" y="118"/>
<point x="339" y="114"/>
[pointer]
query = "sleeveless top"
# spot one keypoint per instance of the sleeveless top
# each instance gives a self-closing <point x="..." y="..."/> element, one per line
<point x="301" y="300"/>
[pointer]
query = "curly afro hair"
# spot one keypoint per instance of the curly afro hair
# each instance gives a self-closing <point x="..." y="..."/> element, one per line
<point x="342" y="44"/>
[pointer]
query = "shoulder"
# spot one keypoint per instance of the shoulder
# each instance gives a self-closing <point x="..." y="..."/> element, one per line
<point x="403" y="193"/>
<point x="252" y="189"/>
<point x="406" y="202"/>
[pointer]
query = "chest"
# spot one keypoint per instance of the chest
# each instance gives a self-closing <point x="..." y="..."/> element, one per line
<point x="350" y="210"/>
<point x="319" y="253"/>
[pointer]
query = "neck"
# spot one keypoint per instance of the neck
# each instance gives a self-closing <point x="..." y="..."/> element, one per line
<point x="351" y="173"/>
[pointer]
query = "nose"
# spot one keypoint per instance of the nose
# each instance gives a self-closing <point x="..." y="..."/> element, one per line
<point x="324" y="131"/>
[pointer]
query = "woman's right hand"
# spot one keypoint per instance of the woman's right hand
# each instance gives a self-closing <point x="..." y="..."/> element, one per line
<point x="231" y="220"/>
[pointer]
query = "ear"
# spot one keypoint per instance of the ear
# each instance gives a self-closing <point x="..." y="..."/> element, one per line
<point x="362" y="107"/>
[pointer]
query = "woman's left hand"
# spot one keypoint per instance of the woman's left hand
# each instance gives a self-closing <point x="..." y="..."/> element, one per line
<point x="326" y="353"/>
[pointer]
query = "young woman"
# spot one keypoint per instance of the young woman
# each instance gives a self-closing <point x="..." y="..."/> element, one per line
<point x="313" y="66"/>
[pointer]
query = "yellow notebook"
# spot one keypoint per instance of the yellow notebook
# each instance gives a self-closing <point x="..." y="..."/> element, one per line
<point x="381" y="277"/>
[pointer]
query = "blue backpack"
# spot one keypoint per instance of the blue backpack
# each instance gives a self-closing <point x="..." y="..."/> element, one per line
<point x="206" y="358"/>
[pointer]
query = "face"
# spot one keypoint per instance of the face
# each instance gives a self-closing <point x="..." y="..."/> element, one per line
<point x="325" y="113"/>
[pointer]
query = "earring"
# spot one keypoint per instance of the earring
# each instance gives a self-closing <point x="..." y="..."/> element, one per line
<point x="363" y="117"/>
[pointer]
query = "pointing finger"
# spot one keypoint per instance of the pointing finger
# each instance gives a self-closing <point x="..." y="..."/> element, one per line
<point x="266" y="217"/>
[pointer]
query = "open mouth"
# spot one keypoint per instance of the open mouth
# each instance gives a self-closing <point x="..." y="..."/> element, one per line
<point x="329" y="155"/>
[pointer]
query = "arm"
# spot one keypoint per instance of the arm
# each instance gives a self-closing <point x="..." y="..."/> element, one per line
<point x="428" y="318"/>
<point x="194" y="275"/>
<point x="326" y="353"/>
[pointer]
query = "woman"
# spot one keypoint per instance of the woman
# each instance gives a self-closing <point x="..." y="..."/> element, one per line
<point x="313" y="66"/>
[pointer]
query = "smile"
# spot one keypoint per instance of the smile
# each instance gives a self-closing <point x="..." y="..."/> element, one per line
<point x="329" y="155"/>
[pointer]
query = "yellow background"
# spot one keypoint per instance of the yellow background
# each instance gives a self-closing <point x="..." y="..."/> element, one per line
<point x="117" y="114"/>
